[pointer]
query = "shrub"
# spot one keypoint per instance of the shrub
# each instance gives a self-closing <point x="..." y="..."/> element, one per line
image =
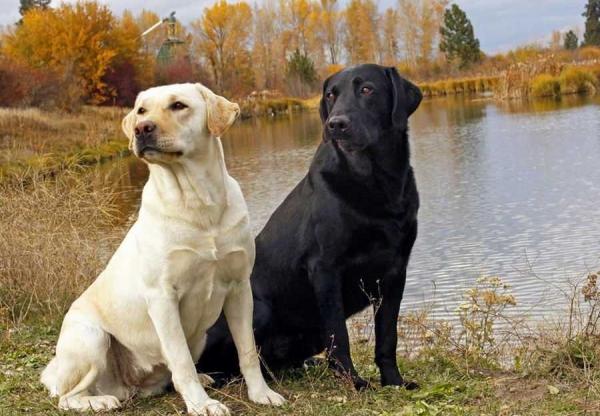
<point x="545" y="85"/>
<point x="22" y="86"/>
<point x="577" y="80"/>
<point x="482" y="307"/>
<point x="589" y="53"/>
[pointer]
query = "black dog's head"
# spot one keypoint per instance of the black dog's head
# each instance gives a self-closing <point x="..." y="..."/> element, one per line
<point x="361" y="103"/>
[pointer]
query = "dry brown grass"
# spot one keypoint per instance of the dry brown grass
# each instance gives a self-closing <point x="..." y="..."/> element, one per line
<point x="36" y="141"/>
<point x="56" y="237"/>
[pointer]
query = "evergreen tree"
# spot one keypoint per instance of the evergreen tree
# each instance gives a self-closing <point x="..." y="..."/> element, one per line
<point x="458" y="41"/>
<point x="592" y="23"/>
<point x="32" y="4"/>
<point x="571" y="41"/>
<point x="301" y="73"/>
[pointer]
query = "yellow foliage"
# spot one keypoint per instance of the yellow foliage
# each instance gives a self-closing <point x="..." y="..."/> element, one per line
<point x="589" y="53"/>
<point x="224" y="32"/>
<point x="525" y="53"/>
<point x="332" y="69"/>
<point x="361" y="36"/>
<point x="577" y="80"/>
<point x="545" y="85"/>
<point x="79" y="41"/>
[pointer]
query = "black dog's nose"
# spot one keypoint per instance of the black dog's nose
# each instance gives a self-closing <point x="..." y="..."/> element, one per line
<point x="338" y="123"/>
<point x="144" y="128"/>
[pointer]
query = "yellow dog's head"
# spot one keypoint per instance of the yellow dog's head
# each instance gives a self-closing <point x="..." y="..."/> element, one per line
<point x="174" y="121"/>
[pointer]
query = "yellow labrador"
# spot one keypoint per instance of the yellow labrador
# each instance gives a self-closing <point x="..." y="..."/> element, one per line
<point x="143" y="321"/>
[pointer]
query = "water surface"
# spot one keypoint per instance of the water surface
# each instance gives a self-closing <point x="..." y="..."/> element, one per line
<point x="508" y="189"/>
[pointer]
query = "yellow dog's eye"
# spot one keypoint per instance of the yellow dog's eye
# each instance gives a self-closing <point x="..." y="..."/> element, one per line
<point x="178" y="105"/>
<point x="141" y="110"/>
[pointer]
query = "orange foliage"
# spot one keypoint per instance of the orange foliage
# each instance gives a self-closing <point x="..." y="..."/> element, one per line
<point x="91" y="55"/>
<point x="361" y="36"/>
<point x="223" y="36"/>
<point x="80" y="41"/>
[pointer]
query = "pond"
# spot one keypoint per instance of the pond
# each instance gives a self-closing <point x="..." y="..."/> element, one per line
<point x="507" y="189"/>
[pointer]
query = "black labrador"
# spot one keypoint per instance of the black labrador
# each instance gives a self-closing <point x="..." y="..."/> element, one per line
<point x="342" y="238"/>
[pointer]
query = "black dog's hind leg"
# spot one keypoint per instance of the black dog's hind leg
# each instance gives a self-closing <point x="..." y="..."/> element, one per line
<point x="386" y="331"/>
<point x="327" y="287"/>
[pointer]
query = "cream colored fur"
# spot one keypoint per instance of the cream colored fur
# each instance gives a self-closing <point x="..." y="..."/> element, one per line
<point x="142" y="323"/>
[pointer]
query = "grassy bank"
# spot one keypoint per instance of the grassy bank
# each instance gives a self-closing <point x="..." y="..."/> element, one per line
<point x="464" y="86"/>
<point x="34" y="142"/>
<point x="270" y="107"/>
<point x="447" y="388"/>
<point x="38" y="143"/>
<point x="554" y="379"/>
<point x="484" y="362"/>
<point x="521" y="82"/>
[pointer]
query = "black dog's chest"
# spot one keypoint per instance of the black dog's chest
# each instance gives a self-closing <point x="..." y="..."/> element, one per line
<point x="371" y="251"/>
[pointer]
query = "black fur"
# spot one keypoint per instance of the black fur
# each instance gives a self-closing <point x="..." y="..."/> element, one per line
<point x="342" y="238"/>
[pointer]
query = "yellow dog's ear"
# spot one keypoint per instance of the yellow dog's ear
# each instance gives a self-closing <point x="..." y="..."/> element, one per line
<point x="128" y="124"/>
<point x="220" y="112"/>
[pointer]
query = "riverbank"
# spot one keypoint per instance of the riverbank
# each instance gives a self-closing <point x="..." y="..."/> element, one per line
<point x="483" y="358"/>
<point x="545" y="373"/>
<point x="522" y="82"/>
<point x="38" y="143"/>
<point x="448" y="388"/>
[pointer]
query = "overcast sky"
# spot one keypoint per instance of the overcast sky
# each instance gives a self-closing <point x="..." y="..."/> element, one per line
<point x="499" y="24"/>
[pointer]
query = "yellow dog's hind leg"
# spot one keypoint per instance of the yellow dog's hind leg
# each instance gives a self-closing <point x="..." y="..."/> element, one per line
<point x="81" y="357"/>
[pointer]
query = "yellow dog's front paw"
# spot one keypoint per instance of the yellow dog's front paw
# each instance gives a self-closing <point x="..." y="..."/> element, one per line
<point x="266" y="396"/>
<point x="87" y="403"/>
<point x="209" y="408"/>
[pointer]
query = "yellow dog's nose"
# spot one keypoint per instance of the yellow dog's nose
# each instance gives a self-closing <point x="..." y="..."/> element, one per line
<point x="144" y="128"/>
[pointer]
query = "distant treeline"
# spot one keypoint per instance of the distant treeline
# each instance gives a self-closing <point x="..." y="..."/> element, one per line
<point x="82" y="53"/>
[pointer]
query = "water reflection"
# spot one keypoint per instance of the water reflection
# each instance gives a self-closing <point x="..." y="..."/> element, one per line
<point x="507" y="189"/>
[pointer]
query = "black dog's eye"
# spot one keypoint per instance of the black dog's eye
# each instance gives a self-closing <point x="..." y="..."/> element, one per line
<point x="141" y="110"/>
<point x="178" y="105"/>
<point x="330" y="96"/>
<point x="366" y="90"/>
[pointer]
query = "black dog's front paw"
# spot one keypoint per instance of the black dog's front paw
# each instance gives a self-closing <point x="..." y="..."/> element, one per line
<point x="360" y="384"/>
<point x="408" y="385"/>
<point x="313" y="362"/>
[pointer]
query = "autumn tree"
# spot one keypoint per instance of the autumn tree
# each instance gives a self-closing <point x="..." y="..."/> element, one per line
<point x="295" y="15"/>
<point x="571" y="41"/>
<point x="458" y="40"/>
<point x="27" y="5"/>
<point x="432" y="12"/>
<point x="267" y="55"/>
<point x="330" y="30"/>
<point x="130" y="70"/>
<point x="361" y="35"/>
<point x="420" y="22"/>
<point x="79" y="41"/>
<point x="389" y="38"/>
<point x="592" y="23"/>
<point x="223" y="35"/>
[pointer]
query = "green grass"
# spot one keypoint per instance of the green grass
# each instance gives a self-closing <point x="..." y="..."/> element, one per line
<point x="447" y="388"/>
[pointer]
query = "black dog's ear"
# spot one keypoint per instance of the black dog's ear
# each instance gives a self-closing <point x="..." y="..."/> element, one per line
<point x="407" y="97"/>
<point x="323" y="104"/>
